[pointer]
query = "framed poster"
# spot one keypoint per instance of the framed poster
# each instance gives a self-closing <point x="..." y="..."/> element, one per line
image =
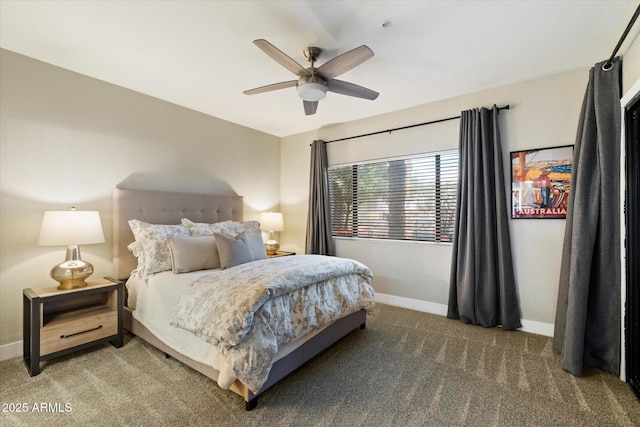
<point x="540" y="182"/>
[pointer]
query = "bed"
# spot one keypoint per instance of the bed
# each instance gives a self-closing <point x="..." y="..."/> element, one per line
<point x="160" y="308"/>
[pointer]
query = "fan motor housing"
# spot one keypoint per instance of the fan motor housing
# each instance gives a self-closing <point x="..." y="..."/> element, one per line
<point x="312" y="53"/>
<point x="313" y="78"/>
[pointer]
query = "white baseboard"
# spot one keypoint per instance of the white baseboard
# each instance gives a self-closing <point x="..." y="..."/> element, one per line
<point x="531" y="326"/>
<point x="413" y="304"/>
<point x="9" y="351"/>
<point x="535" y="327"/>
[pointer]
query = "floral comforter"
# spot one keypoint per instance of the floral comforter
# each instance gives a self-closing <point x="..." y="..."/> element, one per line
<point x="250" y="310"/>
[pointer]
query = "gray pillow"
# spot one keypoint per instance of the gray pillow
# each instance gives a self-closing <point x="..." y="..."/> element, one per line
<point x="233" y="250"/>
<point x="256" y="244"/>
<point x="191" y="253"/>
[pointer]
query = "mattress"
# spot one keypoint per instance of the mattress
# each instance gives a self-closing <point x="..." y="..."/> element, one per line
<point x="153" y="302"/>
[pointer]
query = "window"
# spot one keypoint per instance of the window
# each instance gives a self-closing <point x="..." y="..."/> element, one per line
<point x="402" y="199"/>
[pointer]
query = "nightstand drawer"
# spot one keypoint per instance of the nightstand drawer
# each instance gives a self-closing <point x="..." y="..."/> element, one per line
<point x="67" y="330"/>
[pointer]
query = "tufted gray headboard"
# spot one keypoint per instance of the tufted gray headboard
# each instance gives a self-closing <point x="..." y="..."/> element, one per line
<point x="163" y="207"/>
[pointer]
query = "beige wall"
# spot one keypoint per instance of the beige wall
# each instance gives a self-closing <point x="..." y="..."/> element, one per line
<point x="69" y="139"/>
<point x="543" y="113"/>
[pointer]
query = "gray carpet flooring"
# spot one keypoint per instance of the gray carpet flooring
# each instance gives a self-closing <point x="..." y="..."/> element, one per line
<point x="407" y="369"/>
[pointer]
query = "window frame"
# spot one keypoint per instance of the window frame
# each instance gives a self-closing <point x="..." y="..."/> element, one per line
<point x="438" y="237"/>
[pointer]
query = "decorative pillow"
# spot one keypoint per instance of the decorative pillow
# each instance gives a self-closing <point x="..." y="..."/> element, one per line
<point x="230" y="228"/>
<point x="204" y="229"/>
<point x="136" y="250"/>
<point x="191" y="253"/>
<point x="250" y="227"/>
<point x="233" y="250"/>
<point x="153" y="246"/>
<point x="256" y="244"/>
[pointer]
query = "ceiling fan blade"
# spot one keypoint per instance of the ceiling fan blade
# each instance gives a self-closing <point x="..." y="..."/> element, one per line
<point x="350" y="89"/>
<point x="281" y="58"/>
<point x="269" y="88"/>
<point x="310" y="107"/>
<point x="343" y="63"/>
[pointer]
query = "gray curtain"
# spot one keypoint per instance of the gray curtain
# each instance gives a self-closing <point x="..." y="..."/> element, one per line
<point x="587" y="326"/>
<point x="319" y="238"/>
<point x="482" y="288"/>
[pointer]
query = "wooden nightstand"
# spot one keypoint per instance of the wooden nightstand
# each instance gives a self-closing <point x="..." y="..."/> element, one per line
<point x="281" y="253"/>
<point x="58" y="322"/>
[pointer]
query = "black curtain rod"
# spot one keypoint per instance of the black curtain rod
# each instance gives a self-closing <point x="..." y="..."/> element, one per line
<point x="506" y="107"/>
<point x="624" y="36"/>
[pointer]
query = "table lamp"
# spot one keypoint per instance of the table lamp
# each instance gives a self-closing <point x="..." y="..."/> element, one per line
<point x="271" y="222"/>
<point x="71" y="228"/>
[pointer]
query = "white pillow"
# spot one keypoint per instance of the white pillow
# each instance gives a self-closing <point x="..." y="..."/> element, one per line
<point x="154" y="249"/>
<point x="191" y="253"/>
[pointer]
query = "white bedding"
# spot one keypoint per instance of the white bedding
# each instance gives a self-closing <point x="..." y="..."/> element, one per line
<point x="251" y="310"/>
<point x="153" y="302"/>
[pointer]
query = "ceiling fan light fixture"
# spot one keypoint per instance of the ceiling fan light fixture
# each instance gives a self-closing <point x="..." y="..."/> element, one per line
<point x="313" y="83"/>
<point x="312" y="91"/>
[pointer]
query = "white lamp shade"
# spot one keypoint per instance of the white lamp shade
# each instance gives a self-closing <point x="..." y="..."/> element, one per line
<point x="65" y="228"/>
<point x="312" y="91"/>
<point x="271" y="221"/>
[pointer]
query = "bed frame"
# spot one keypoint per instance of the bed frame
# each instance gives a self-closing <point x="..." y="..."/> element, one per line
<point x="161" y="207"/>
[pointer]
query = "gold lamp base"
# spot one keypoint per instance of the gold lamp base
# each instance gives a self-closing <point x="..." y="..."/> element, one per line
<point x="72" y="272"/>
<point x="271" y="246"/>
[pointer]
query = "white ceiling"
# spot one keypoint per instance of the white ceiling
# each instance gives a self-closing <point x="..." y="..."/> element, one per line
<point x="199" y="54"/>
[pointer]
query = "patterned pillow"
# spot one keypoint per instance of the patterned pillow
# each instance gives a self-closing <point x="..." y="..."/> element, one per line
<point x="136" y="250"/>
<point x="250" y="227"/>
<point x="230" y="228"/>
<point x="203" y="229"/>
<point x="154" y="249"/>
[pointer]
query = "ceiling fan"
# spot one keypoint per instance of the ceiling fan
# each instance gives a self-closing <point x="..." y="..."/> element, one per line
<point x="313" y="83"/>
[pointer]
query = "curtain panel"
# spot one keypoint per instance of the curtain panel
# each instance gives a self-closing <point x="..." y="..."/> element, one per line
<point x="482" y="288"/>
<point x="587" y="325"/>
<point x="319" y="235"/>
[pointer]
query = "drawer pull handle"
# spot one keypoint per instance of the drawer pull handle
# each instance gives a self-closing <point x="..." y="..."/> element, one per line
<point x="81" y="332"/>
